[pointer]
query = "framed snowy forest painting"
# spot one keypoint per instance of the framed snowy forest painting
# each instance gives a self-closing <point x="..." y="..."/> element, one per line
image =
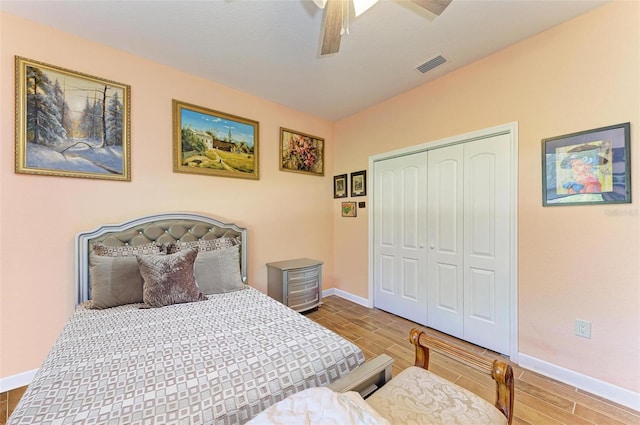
<point x="71" y="124"/>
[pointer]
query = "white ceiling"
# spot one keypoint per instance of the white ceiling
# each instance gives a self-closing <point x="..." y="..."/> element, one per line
<point x="270" y="48"/>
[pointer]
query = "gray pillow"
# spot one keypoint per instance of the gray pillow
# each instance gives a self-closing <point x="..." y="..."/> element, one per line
<point x="168" y="279"/>
<point x="114" y="281"/>
<point x="218" y="271"/>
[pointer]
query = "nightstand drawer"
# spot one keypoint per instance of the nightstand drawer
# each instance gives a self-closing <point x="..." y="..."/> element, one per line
<point x="305" y="302"/>
<point x="303" y="285"/>
<point x="304" y="290"/>
<point x="303" y="274"/>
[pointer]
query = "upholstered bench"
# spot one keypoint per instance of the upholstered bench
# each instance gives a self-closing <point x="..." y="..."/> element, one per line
<point x="418" y="396"/>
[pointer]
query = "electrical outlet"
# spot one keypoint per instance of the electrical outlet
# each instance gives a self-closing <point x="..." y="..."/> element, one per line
<point x="583" y="328"/>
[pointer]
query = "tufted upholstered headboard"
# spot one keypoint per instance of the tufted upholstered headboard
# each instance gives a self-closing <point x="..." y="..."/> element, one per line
<point x="167" y="227"/>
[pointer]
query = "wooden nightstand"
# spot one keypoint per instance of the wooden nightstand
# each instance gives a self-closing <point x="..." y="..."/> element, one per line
<point x="296" y="283"/>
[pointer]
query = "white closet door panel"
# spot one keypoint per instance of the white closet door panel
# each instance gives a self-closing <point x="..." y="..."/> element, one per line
<point x="386" y="273"/>
<point x="386" y="199"/>
<point x="399" y="236"/>
<point x="410" y="207"/>
<point x="486" y="249"/>
<point x="480" y="205"/>
<point x="446" y="198"/>
<point x="482" y="300"/>
<point x="446" y="288"/>
<point x="445" y="258"/>
<point x="409" y="278"/>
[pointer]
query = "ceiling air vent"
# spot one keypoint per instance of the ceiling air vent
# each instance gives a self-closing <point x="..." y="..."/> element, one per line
<point x="431" y="63"/>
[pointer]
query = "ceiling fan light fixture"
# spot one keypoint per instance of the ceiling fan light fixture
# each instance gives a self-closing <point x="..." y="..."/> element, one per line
<point x="320" y="3"/>
<point x="361" y="6"/>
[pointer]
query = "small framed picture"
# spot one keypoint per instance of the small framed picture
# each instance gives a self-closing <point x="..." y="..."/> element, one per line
<point x="349" y="209"/>
<point x="359" y="183"/>
<point x="340" y="186"/>
<point x="588" y="167"/>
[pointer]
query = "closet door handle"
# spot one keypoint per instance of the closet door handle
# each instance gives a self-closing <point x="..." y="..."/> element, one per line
<point x="432" y="246"/>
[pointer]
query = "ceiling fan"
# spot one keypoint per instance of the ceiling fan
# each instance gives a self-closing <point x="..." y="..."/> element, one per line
<point x="334" y="17"/>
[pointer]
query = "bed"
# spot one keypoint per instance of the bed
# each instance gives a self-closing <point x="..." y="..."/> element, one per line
<point x="221" y="358"/>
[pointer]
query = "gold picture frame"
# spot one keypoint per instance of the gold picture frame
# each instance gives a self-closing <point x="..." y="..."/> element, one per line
<point x="301" y="152"/>
<point x="214" y="143"/>
<point x="71" y="124"/>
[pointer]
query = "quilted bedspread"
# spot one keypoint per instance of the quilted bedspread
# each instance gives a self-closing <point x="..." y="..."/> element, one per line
<point x="223" y="360"/>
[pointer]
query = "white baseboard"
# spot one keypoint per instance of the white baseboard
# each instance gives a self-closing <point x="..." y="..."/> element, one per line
<point x="346" y="295"/>
<point x="16" y="381"/>
<point x="587" y="383"/>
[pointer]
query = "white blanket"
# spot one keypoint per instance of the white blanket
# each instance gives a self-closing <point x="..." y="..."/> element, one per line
<point x="320" y="406"/>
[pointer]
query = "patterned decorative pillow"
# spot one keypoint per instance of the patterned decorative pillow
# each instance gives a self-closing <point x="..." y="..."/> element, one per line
<point x="203" y="245"/>
<point x="169" y="279"/>
<point x="125" y="250"/>
<point x="114" y="281"/>
<point x="218" y="271"/>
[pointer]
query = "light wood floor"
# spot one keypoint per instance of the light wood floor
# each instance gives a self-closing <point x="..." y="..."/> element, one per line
<point x="538" y="400"/>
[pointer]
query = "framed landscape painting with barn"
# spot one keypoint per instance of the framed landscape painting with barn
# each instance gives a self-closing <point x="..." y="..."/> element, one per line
<point x="71" y="124"/>
<point x="214" y="143"/>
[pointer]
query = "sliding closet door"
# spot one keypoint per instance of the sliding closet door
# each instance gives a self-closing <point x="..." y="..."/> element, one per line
<point x="445" y="239"/>
<point x="487" y="218"/>
<point x="399" y="236"/>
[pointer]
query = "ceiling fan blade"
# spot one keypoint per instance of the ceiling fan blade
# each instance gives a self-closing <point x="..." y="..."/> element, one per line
<point x="433" y="6"/>
<point x="332" y="27"/>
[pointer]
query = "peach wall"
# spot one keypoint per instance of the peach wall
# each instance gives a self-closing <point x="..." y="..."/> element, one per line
<point x="288" y="215"/>
<point x="575" y="262"/>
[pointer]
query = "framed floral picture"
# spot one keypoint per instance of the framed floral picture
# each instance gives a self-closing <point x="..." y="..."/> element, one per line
<point x="71" y="124"/>
<point x="588" y="167"/>
<point x="301" y="153"/>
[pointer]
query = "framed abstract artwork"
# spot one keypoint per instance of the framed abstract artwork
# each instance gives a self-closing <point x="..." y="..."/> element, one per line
<point x="588" y="167"/>
<point x="301" y="153"/>
<point x="71" y="124"/>
<point x="214" y="143"/>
